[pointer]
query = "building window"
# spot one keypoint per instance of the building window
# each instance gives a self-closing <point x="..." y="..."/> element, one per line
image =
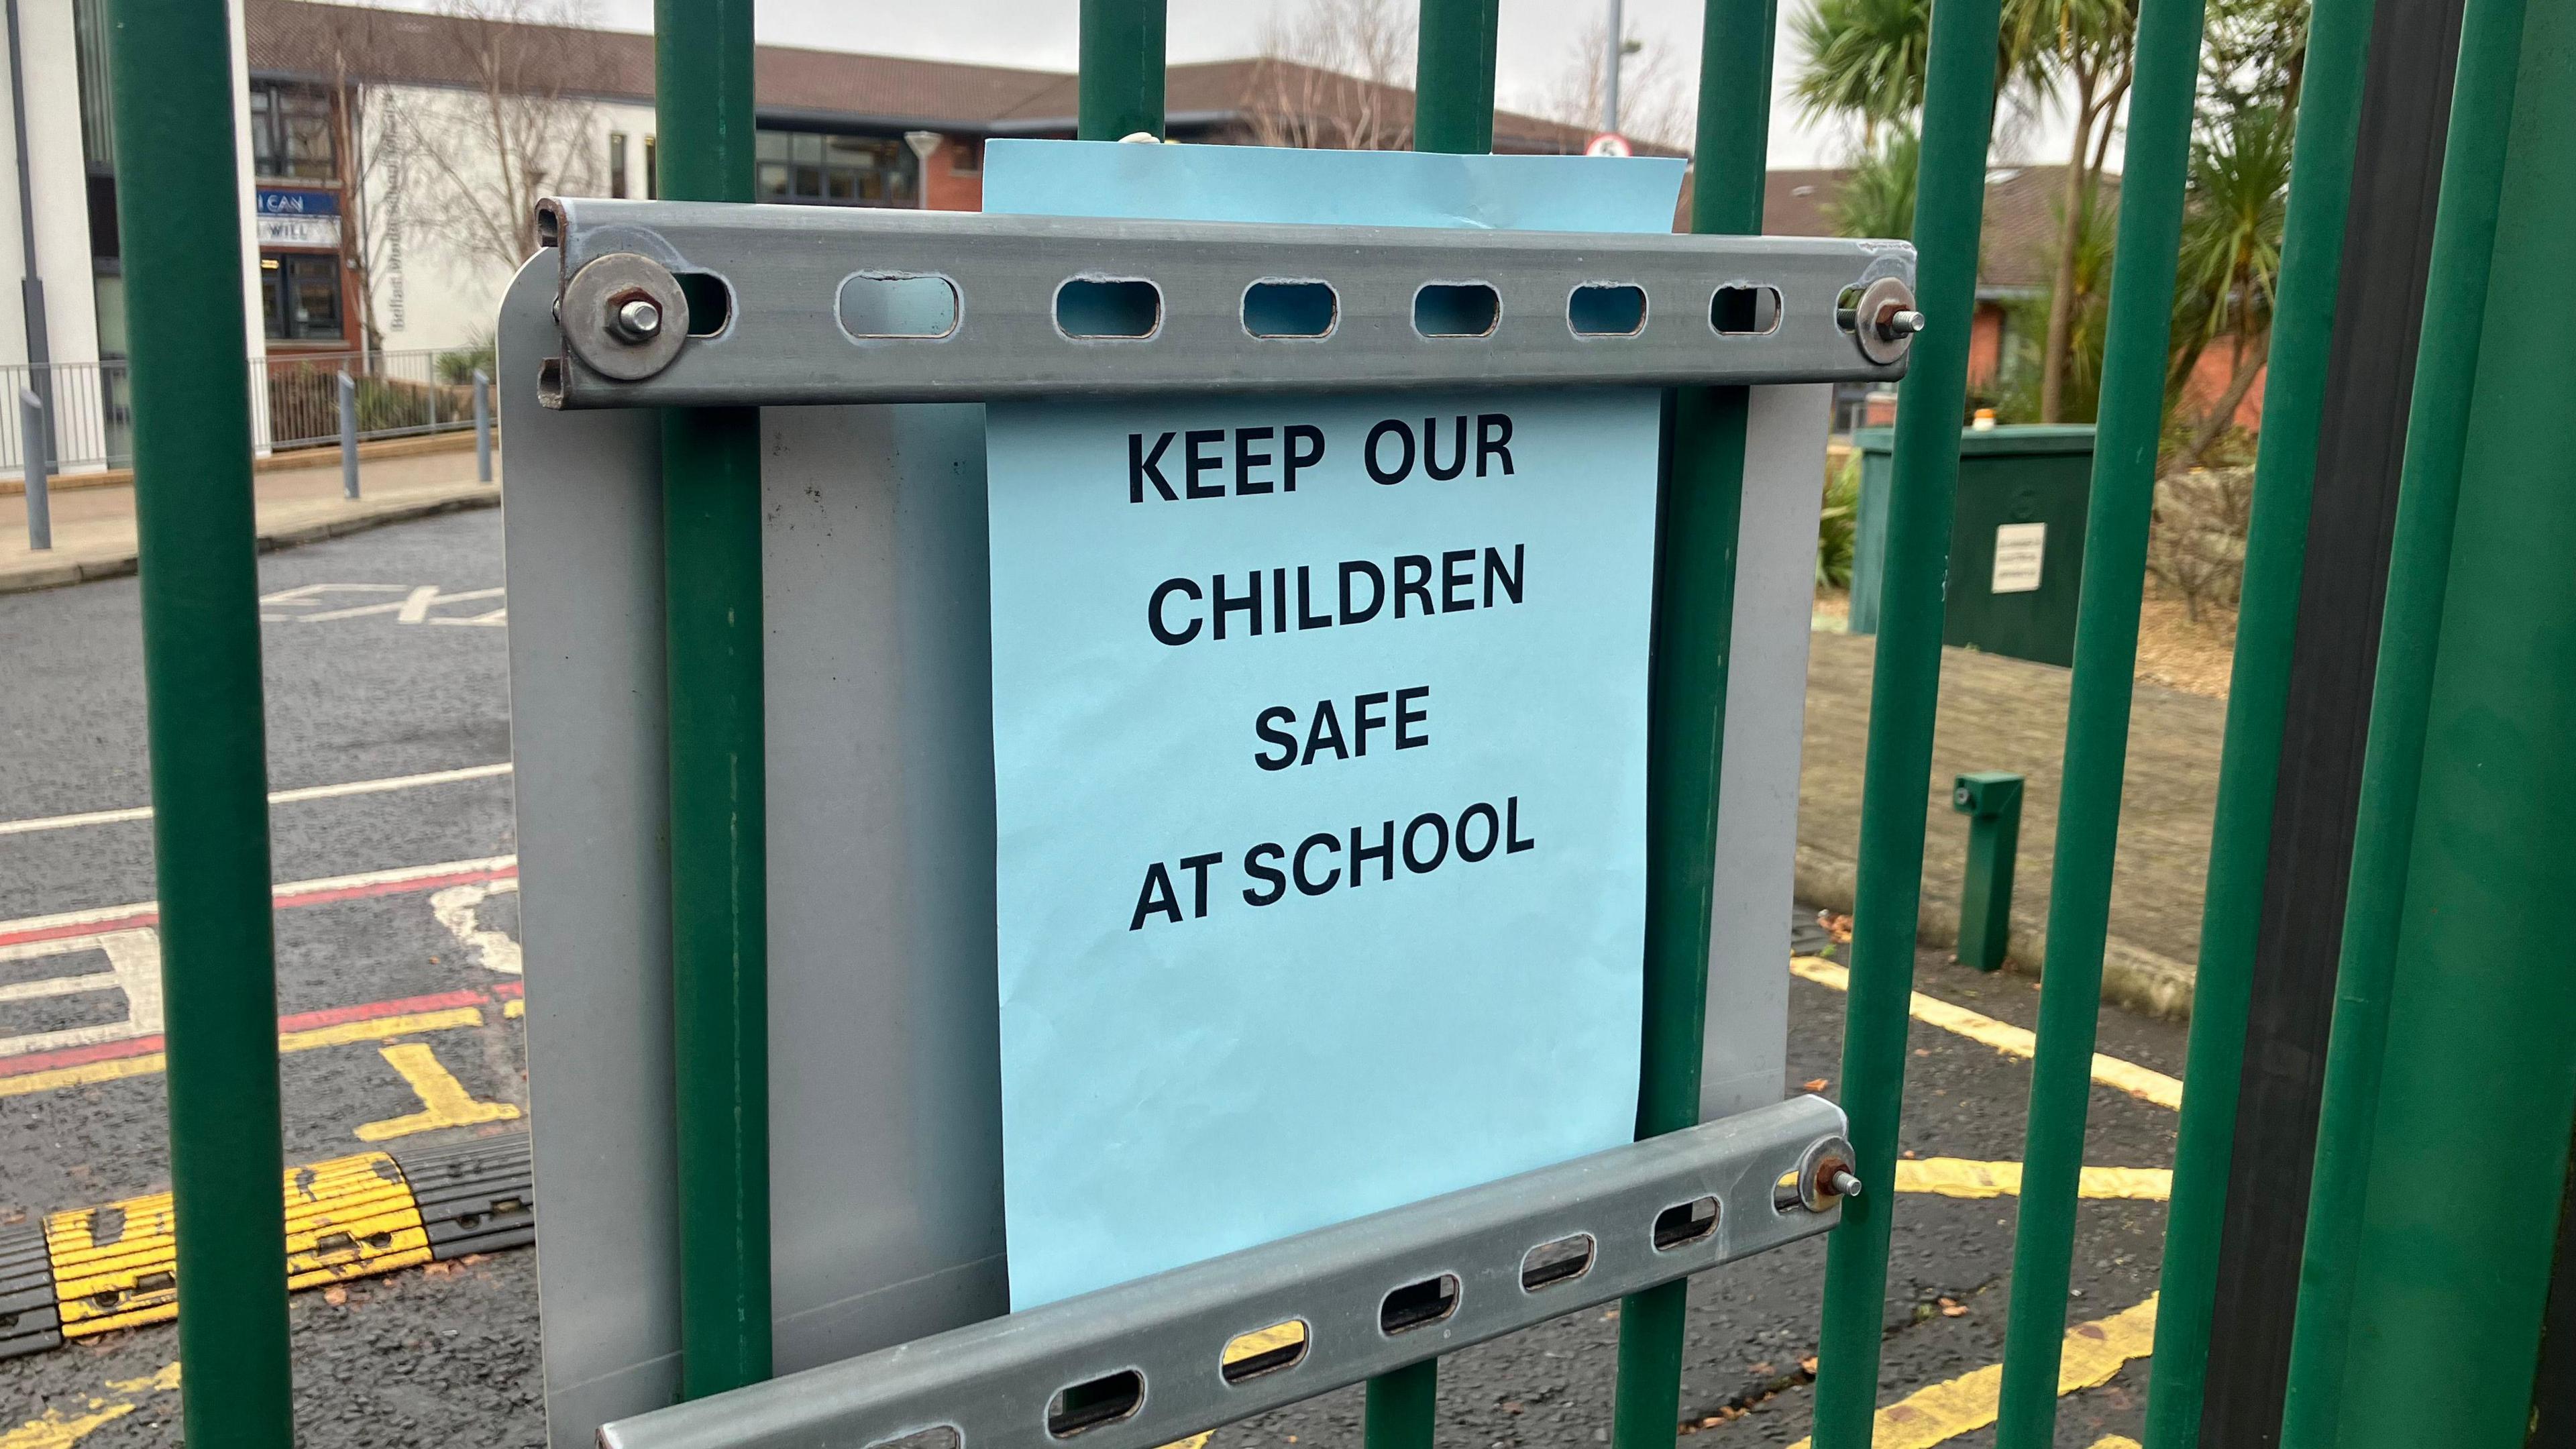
<point x="802" y="167"/>
<point x="652" y="178"/>
<point x="300" y="296"/>
<point x="291" y="134"/>
<point x="965" y="155"/>
<point x="617" y="163"/>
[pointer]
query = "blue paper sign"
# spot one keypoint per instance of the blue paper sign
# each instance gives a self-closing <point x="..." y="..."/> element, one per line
<point x="1319" y="751"/>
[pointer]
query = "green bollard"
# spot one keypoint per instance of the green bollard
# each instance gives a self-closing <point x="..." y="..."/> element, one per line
<point x="1991" y="799"/>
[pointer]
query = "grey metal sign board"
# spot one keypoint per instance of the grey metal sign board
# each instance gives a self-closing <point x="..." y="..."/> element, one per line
<point x="886" y="1216"/>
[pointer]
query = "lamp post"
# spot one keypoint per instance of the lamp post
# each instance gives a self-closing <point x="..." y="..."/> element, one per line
<point x="923" y="144"/>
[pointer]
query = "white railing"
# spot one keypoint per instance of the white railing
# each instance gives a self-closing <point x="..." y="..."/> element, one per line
<point x="294" y="399"/>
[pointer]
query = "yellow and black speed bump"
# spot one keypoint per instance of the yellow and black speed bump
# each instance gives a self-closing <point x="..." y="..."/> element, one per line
<point x="29" y="1321"/>
<point x="475" y="1196"/>
<point x="99" y="1269"/>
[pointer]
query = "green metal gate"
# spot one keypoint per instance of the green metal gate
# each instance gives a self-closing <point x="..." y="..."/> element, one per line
<point x="2444" y="1141"/>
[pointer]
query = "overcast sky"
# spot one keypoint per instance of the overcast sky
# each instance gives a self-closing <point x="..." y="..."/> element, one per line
<point x="1537" y="37"/>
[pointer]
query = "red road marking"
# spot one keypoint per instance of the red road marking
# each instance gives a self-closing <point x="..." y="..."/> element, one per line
<point x="499" y="991"/>
<point x="308" y="893"/>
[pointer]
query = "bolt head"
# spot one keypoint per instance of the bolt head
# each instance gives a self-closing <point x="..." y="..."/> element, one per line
<point x="638" y="319"/>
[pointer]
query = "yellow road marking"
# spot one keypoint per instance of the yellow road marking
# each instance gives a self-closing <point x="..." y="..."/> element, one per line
<point x="1958" y="1177"/>
<point x="58" y="1429"/>
<point x="117" y="1266"/>
<point x="2094" y="1352"/>
<point x="444" y="1100"/>
<point x="2129" y="1077"/>
<point x="91" y="1073"/>
<point x="2116" y="1441"/>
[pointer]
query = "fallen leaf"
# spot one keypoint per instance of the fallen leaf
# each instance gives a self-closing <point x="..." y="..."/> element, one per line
<point x="1807" y="1365"/>
<point x="1760" y="1368"/>
<point x="1813" y="1085"/>
<point x="1907" y="1154"/>
<point x="1951" y="1308"/>
<point x="335" y="1295"/>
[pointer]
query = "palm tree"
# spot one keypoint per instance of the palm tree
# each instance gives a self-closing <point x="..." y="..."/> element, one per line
<point x="1866" y="58"/>
<point x="2236" y="197"/>
<point x="1877" y="199"/>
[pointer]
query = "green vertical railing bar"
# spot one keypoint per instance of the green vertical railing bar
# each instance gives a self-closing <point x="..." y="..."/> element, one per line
<point x="719" y="862"/>
<point x="1453" y="112"/>
<point x="1454" y="77"/>
<point x="1958" y="119"/>
<point x="2478" y="1095"/>
<point x="2157" y="158"/>
<point x="2419" y="571"/>
<point x="173" y="97"/>
<point x="1121" y="82"/>
<point x="1696" y="541"/>
<point x="2240" y="843"/>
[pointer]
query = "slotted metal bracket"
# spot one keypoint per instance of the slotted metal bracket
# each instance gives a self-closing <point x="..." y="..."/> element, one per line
<point x="814" y="306"/>
<point x="1147" y="1363"/>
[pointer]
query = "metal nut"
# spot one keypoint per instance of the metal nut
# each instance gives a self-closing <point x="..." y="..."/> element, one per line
<point x="636" y="320"/>
<point x="1825" y="1176"/>
<point x="623" y="316"/>
<point x="1884" y="321"/>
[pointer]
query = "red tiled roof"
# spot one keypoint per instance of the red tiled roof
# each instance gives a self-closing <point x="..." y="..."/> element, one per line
<point x="325" y="41"/>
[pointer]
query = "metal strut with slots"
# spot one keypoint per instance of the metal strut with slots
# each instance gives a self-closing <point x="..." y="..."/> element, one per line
<point x="680" y="304"/>
<point x="675" y="304"/>
<point x="1161" y="1358"/>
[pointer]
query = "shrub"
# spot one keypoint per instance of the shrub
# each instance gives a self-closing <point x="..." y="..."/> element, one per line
<point x="1837" y="525"/>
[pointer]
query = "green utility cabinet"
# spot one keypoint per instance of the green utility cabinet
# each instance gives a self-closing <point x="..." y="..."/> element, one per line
<point x="2016" y="543"/>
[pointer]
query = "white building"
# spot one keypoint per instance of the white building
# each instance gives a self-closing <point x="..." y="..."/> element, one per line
<point x="390" y="162"/>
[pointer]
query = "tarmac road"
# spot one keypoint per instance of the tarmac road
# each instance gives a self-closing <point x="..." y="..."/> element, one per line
<point x="385" y="659"/>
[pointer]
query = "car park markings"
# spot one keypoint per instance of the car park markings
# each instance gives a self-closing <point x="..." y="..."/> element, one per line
<point x="2140" y="1082"/>
<point x="2094" y="1354"/>
<point x="299" y="794"/>
<point x="1958" y="1177"/>
<point x="61" y="1428"/>
<point x="444" y="1102"/>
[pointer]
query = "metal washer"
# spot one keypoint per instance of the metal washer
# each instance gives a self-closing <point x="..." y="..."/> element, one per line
<point x="589" y="307"/>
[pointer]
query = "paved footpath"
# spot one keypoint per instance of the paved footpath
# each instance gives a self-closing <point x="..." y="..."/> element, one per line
<point x="93" y="527"/>
<point x="2010" y="714"/>
<point x="398" y="982"/>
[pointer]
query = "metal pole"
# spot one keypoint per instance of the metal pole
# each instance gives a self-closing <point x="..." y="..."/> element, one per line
<point x="200" y="593"/>
<point x="1991" y="799"/>
<point x="482" y="426"/>
<point x="2167" y="75"/>
<point x="1121" y="83"/>
<point x="348" y="435"/>
<point x="31" y="283"/>
<point x="1617" y="33"/>
<point x="31" y="448"/>
<point x="2476" y="1063"/>
<point x="1958" y="119"/>
<point x="1453" y="112"/>
<point x="719" y="864"/>
<point x="1686" y="722"/>
<point x="1454" y="77"/>
<point x="2446" y="370"/>
<point x="2258" y="700"/>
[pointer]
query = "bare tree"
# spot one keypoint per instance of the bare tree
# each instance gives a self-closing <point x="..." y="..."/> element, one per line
<point x="1654" y="101"/>
<point x="483" y="158"/>
<point x="1336" y="75"/>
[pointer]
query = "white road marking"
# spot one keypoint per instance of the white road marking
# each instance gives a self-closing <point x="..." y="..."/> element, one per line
<point x="454" y="908"/>
<point x="279" y="797"/>
<point x="412" y="608"/>
<point x="134" y="967"/>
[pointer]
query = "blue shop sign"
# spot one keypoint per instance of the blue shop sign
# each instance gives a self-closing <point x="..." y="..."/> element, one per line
<point x="298" y="203"/>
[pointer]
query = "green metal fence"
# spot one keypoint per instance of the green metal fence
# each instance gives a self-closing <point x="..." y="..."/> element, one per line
<point x="2502" y="201"/>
